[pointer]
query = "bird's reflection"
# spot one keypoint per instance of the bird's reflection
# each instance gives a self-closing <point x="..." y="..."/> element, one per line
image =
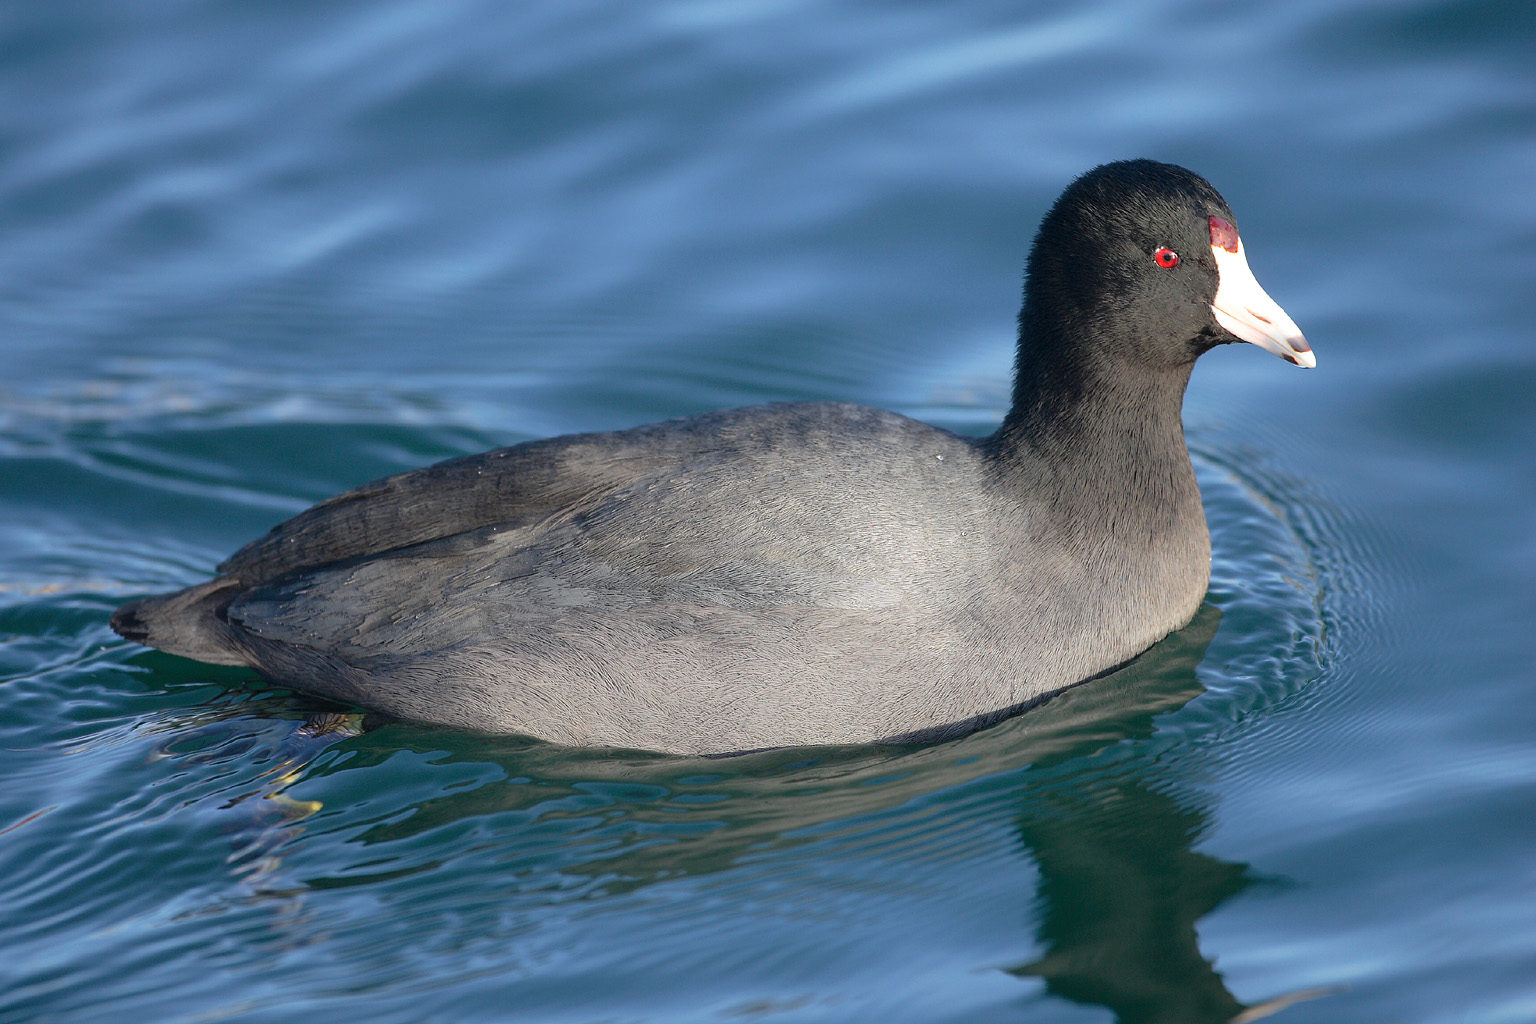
<point x="1120" y="886"/>
<point x="1120" y="892"/>
<point x="1109" y="828"/>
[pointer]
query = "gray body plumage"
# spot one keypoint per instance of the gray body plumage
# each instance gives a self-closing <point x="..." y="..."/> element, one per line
<point x="752" y="578"/>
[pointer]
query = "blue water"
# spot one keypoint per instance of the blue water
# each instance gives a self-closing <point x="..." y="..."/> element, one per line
<point x="252" y="254"/>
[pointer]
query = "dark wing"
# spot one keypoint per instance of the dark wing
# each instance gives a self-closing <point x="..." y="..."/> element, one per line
<point x="522" y="487"/>
<point x="517" y="486"/>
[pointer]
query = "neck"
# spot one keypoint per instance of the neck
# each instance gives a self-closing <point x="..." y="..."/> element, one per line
<point x="1092" y="435"/>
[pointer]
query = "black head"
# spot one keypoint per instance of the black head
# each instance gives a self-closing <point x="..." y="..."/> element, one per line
<point x="1126" y="270"/>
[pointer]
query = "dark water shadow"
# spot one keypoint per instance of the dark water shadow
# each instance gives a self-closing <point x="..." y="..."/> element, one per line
<point x="1120" y="887"/>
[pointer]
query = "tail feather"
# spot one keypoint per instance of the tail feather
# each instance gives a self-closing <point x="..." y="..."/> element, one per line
<point x="189" y="622"/>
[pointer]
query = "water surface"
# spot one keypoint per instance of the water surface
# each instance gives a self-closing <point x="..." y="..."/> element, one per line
<point x="255" y="254"/>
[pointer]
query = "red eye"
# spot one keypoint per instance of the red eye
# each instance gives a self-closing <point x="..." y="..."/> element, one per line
<point x="1166" y="257"/>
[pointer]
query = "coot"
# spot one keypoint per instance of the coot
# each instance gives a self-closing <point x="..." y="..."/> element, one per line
<point x="791" y="573"/>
